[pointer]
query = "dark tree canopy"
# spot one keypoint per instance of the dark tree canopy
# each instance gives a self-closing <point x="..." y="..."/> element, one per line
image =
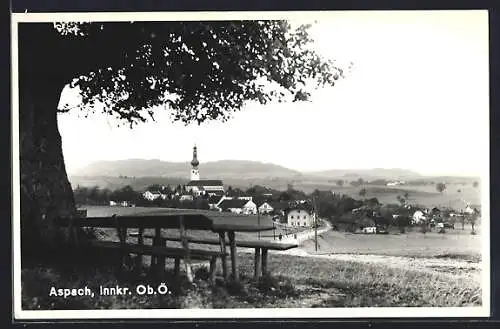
<point x="198" y="70"/>
<point x="440" y="187"/>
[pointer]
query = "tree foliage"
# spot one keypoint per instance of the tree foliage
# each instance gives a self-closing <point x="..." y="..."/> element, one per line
<point x="197" y="70"/>
<point x="440" y="187"/>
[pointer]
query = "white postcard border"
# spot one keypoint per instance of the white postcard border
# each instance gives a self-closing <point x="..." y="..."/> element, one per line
<point x="268" y="313"/>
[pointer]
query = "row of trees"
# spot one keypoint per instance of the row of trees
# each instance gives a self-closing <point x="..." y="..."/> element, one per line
<point x="97" y="196"/>
<point x="440" y="186"/>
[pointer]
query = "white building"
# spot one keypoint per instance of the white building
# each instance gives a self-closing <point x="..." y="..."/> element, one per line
<point x="370" y="229"/>
<point x="186" y="197"/>
<point x="238" y="206"/>
<point x="469" y="210"/>
<point x="265" y="208"/>
<point x="300" y="217"/>
<point x="153" y="195"/>
<point x="418" y="217"/>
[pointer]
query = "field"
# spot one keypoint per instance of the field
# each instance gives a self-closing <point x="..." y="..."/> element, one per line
<point x="424" y="195"/>
<point x="411" y="244"/>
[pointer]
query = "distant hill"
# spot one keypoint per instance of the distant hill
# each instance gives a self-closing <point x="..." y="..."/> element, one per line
<point x="140" y="173"/>
<point x="224" y="169"/>
<point x="368" y="174"/>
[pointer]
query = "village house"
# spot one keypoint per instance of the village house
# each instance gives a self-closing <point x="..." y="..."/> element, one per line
<point x="265" y="208"/>
<point x="153" y="195"/>
<point x="370" y="230"/>
<point x="113" y="203"/>
<point x="186" y="197"/>
<point x="300" y="216"/>
<point x="469" y="210"/>
<point x="418" y="217"/>
<point x="238" y="206"/>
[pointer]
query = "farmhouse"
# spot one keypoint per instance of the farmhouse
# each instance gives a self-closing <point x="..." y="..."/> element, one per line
<point x="300" y="216"/>
<point x="370" y="229"/>
<point x="238" y="206"/>
<point x="418" y="217"/>
<point x="265" y="208"/>
<point x="199" y="186"/>
<point x="153" y="195"/>
<point x="469" y="210"/>
<point x="186" y="197"/>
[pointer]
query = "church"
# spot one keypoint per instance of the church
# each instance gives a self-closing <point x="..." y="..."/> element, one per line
<point x="202" y="186"/>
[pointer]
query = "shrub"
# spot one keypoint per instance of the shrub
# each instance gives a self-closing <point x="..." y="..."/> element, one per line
<point x="287" y="289"/>
<point x="202" y="273"/>
<point x="220" y="297"/>
<point x="267" y="283"/>
<point x="236" y="288"/>
<point x="277" y="286"/>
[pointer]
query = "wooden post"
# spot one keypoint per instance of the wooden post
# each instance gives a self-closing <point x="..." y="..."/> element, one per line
<point x="140" y="241"/>
<point x="177" y="267"/>
<point x="119" y="232"/>
<point x="222" y="240"/>
<point x="213" y="266"/>
<point x="232" y="245"/>
<point x="155" y="260"/>
<point x="257" y="263"/>
<point x="258" y="220"/>
<point x="185" y="245"/>
<point x="264" y="261"/>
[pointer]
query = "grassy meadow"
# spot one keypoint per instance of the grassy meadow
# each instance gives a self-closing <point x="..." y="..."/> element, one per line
<point x="425" y="195"/>
<point x="411" y="244"/>
<point x="295" y="282"/>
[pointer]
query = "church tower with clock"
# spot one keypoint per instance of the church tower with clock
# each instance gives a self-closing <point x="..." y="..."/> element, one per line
<point x="202" y="186"/>
<point x="195" y="172"/>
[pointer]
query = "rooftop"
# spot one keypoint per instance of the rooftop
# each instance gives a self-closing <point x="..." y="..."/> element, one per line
<point x="232" y="203"/>
<point x="205" y="182"/>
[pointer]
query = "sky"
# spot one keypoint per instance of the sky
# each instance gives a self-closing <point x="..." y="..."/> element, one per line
<point x="417" y="98"/>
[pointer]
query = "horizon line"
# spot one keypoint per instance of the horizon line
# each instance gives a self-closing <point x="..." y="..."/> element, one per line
<point x="300" y="171"/>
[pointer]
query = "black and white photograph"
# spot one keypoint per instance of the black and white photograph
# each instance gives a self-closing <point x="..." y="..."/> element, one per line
<point x="302" y="164"/>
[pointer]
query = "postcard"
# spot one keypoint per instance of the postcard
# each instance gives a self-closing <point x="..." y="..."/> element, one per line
<point x="195" y="165"/>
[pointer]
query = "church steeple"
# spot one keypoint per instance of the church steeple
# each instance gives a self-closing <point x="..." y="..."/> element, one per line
<point x="195" y="173"/>
<point x="195" y="161"/>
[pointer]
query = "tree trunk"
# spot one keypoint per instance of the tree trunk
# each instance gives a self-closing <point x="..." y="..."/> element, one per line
<point x="45" y="189"/>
